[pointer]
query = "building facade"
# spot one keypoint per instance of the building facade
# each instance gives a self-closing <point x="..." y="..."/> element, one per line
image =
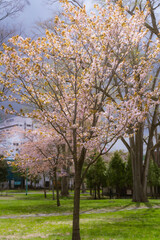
<point x="13" y="134"/>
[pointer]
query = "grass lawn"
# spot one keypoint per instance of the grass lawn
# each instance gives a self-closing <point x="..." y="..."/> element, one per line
<point x="120" y="223"/>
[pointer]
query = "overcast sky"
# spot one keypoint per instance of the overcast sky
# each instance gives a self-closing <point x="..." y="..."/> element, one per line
<point x="38" y="10"/>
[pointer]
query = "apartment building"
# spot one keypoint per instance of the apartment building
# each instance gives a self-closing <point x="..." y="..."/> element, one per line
<point x="12" y="134"/>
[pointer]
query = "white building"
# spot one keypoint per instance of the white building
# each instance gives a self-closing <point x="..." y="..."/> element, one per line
<point x="12" y="134"/>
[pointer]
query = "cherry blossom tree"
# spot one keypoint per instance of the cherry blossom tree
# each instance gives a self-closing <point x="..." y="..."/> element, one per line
<point x="42" y="155"/>
<point x="144" y="140"/>
<point x="70" y="76"/>
<point x="145" y="89"/>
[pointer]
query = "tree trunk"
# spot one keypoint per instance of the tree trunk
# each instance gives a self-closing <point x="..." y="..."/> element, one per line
<point x="50" y="182"/>
<point x="76" y="228"/>
<point x="78" y="164"/>
<point x="156" y="192"/>
<point x="141" y="165"/>
<point x="151" y="192"/>
<point x="45" y="194"/>
<point x="53" y="197"/>
<point x="139" y="190"/>
<point x="90" y="190"/>
<point x="138" y="194"/>
<point x="98" y="191"/>
<point x="57" y="188"/>
<point x="95" y="192"/>
<point x="102" y="192"/>
<point x="139" y="183"/>
<point x="83" y="188"/>
<point x="64" y="186"/>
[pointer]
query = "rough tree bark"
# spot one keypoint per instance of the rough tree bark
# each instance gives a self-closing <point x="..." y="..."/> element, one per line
<point x="140" y="159"/>
<point x="53" y="197"/>
<point x="77" y="186"/>
<point x="57" y="188"/>
<point x="44" y="179"/>
<point x="64" y="186"/>
<point x="83" y="188"/>
<point x="76" y="210"/>
<point x="136" y="152"/>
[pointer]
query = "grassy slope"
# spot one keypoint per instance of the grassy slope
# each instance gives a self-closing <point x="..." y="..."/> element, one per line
<point x="126" y="224"/>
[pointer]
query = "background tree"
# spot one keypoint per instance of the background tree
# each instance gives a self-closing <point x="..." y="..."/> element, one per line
<point x="9" y="9"/>
<point x="66" y="171"/>
<point x="96" y="176"/>
<point x="129" y="177"/>
<point x="41" y="155"/>
<point x="3" y="169"/>
<point x="117" y="174"/>
<point x="144" y="135"/>
<point x="154" y="178"/>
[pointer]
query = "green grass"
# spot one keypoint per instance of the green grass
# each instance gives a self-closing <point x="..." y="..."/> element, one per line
<point x="18" y="204"/>
<point x="119" y="224"/>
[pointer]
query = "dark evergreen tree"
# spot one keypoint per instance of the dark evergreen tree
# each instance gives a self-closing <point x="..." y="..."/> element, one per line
<point x="3" y="170"/>
<point x="154" y="178"/>
<point x="129" y="176"/>
<point x="117" y="174"/>
<point x="96" y="176"/>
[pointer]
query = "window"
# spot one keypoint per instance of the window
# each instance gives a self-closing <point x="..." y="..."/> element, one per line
<point x="15" y="144"/>
<point x="10" y="120"/>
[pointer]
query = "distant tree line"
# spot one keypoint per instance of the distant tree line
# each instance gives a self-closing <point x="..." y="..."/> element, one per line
<point x="116" y="177"/>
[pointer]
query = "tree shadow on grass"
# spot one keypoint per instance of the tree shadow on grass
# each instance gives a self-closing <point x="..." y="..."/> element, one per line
<point x="129" y="225"/>
<point x="148" y="204"/>
<point x="131" y="205"/>
<point x="135" y="205"/>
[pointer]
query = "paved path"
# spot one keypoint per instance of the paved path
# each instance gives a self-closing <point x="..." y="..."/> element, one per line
<point x="102" y="210"/>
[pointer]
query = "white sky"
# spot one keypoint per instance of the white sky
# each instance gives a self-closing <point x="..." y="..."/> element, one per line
<point x="36" y="11"/>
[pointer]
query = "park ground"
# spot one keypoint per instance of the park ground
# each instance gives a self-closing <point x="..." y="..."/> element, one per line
<point x="33" y="217"/>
